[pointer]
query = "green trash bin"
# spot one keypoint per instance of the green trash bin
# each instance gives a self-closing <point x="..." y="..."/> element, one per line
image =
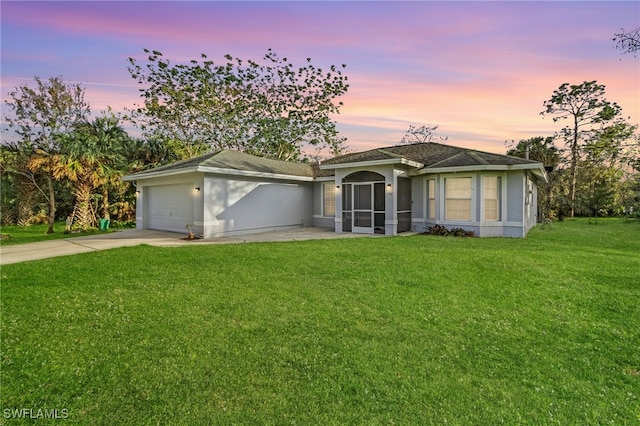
<point x="104" y="224"/>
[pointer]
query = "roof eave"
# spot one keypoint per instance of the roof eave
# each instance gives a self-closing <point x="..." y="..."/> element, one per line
<point x="151" y="174"/>
<point x="535" y="167"/>
<point x="541" y="174"/>
<point x="216" y="170"/>
<point x="356" y="164"/>
<point x="248" y="173"/>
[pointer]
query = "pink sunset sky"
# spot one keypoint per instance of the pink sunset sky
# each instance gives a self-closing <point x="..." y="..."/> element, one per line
<point x="480" y="70"/>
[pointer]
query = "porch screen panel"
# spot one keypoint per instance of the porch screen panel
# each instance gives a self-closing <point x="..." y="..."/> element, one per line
<point x="347" y="221"/>
<point x="491" y="190"/>
<point x="404" y="194"/>
<point x="458" y="198"/>
<point x="362" y="219"/>
<point x="362" y="197"/>
<point x="346" y="197"/>
<point x="404" y="205"/>
<point x="378" y="196"/>
<point x="404" y="222"/>
<point x="347" y="214"/>
<point x="378" y="221"/>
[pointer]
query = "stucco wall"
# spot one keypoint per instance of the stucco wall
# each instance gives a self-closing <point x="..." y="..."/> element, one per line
<point x="514" y="220"/>
<point x="418" y="204"/>
<point x="228" y="205"/>
<point x="515" y="196"/>
<point x="391" y="174"/>
<point x="319" y="219"/>
<point x="235" y="205"/>
<point x="531" y="211"/>
<point x="191" y="181"/>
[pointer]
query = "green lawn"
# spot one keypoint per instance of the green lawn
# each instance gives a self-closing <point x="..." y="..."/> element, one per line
<point x="405" y="330"/>
<point x="12" y="234"/>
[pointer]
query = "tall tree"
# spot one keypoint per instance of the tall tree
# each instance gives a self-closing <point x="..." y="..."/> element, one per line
<point x="20" y="187"/>
<point x="538" y="149"/>
<point x="89" y="158"/>
<point x="587" y="110"/>
<point x="142" y="154"/>
<point x="110" y="140"/>
<point x="606" y="168"/>
<point x="627" y="42"/>
<point x="632" y="153"/>
<point x="270" y="108"/>
<point x="423" y="134"/>
<point x="543" y="150"/>
<point x="38" y="115"/>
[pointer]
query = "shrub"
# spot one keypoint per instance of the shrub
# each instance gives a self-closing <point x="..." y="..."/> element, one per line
<point x="460" y="232"/>
<point x="443" y="231"/>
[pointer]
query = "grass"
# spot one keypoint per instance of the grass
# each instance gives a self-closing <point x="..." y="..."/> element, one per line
<point x="404" y="330"/>
<point x="13" y="234"/>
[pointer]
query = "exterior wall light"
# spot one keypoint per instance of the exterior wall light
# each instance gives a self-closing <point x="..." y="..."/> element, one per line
<point x="337" y="186"/>
<point x="197" y="188"/>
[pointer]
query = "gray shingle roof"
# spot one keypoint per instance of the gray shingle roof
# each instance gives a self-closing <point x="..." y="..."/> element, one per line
<point x="432" y="155"/>
<point x="232" y="160"/>
<point x="236" y="160"/>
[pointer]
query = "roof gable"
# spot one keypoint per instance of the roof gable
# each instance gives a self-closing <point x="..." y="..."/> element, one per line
<point x="236" y="160"/>
<point x="231" y="161"/>
<point x="431" y="155"/>
<point x="423" y="157"/>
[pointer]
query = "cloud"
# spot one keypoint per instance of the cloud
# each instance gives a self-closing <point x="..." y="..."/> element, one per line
<point x="479" y="70"/>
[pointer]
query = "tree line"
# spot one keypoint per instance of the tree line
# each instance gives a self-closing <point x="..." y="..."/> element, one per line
<point x="64" y="163"/>
<point x="595" y="169"/>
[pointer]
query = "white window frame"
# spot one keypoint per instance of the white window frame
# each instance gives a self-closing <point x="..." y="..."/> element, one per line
<point x="472" y="199"/>
<point x="325" y="187"/>
<point x="501" y="191"/>
<point x="431" y="199"/>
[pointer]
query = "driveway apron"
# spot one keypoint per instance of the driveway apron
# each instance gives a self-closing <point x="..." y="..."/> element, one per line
<point x="133" y="237"/>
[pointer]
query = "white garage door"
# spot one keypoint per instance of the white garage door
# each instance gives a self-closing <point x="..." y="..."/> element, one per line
<point x="170" y="207"/>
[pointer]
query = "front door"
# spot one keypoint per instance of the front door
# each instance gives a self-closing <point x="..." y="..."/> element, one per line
<point x="363" y="208"/>
<point x="368" y="208"/>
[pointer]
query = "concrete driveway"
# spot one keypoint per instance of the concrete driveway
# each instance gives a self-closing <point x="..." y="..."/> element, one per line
<point x="132" y="237"/>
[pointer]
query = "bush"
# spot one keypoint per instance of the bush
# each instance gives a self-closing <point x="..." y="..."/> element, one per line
<point x="437" y="230"/>
<point x="443" y="231"/>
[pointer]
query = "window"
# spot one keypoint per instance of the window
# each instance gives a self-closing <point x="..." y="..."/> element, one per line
<point x="491" y="191"/>
<point x="458" y="198"/>
<point x="329" y="199"/>
<point x="431" y="206"/>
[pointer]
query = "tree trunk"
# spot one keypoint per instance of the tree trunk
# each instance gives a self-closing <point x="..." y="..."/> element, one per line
<point x="52" y="202"/>
<point x="26" y="195"/>
<point x="574" y="166"/>
<point x="105" y="203"/>
<point x="83" y="216"/>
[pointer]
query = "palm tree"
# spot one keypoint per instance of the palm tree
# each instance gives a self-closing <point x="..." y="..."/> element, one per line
<point x="88" y="159"/>
<point x="42" y="163"/>
<point x="39" y="113"/>
<point x="21" y="188"/>
<point x="111" y="140"/>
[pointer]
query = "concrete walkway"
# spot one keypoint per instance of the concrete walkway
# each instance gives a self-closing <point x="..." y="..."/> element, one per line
<point x="132" y="237"/>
